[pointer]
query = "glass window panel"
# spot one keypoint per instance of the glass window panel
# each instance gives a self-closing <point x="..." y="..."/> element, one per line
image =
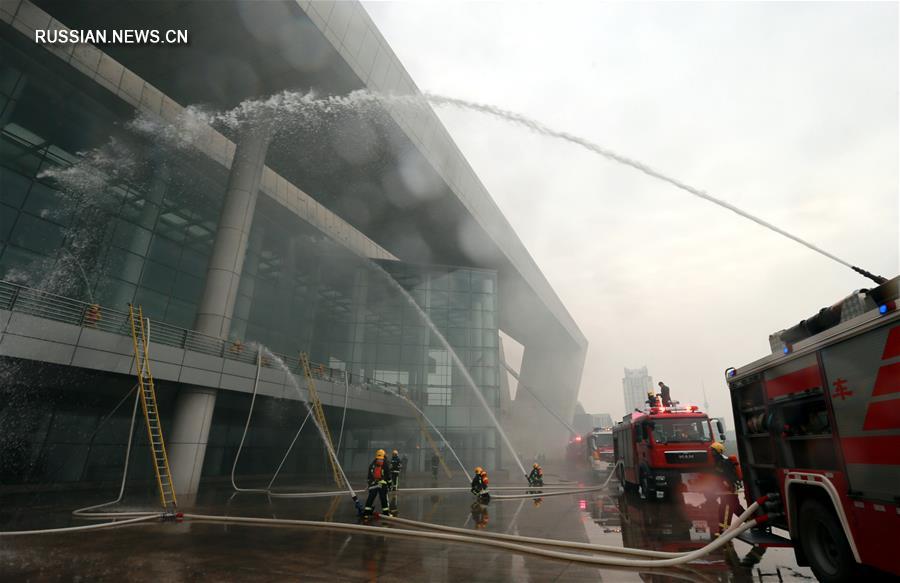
<point x="483" y="282"/>
<point x="482" y="302"/>
<point x="439" y="299"/>
<point x="16" y="259"/>
<point x="188" y="287"/>
<point x="193" y="262"/>
<point x="13" y="187"/>
<point x="491" y="338"/>
<point x="114" y="293"/>
<point x="412" y="355"/>
<point x="132" y="238"/>
<point x="440" y="281"/>
<point x="457" y="337"/>
<point x="459" y="280"/>
<point x="165" y="251"/>
<point x="19" y="157"/>
<point x="46" y="203"/>
<point x="37" y="234"/>
<point x="124" y="265"/>
<point x="153" y="302"/>
<point x="460" y="300"/>
<point x="180" y="313"/>
<point x="8" y="216"/>
<point x="459" y="318"/>
<point x="439" y="318"/>
<point x="157" y="276"/>
<point x="8" y="79"/>
<point x="489" y="320"/>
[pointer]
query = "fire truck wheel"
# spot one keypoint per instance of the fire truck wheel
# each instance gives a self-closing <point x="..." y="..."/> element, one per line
<point x="824" y="543"/>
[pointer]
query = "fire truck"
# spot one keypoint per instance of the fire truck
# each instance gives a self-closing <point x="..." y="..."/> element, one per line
<point x="818" y="424"/>
<point x="661" y="448"/>
<point x="600" y="452"/>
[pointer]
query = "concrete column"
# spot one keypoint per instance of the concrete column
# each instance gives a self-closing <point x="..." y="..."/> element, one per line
<point x="194" y="405"/>
<point x="226" y="263"/>
<point x="244" y="302"/>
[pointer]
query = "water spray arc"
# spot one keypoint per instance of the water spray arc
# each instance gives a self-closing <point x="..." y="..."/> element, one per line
<point x="433" y="426"/>
<point x="540" y="128"/>
<point x="456" y="360"/>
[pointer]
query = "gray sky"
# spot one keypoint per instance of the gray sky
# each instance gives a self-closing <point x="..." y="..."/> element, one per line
<point x="788" y="110"/>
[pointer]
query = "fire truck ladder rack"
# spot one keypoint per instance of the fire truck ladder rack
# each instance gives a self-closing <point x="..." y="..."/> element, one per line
<point x="147" y="391"/>
<point x="319" y="414"/>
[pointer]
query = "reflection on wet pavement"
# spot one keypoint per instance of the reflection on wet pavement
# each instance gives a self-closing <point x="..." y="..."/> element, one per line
<point x="194" y="550"/>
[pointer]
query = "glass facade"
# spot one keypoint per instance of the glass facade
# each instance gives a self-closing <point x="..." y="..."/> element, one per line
<point x="145" y="236"/>
<point x="302" y="292"/>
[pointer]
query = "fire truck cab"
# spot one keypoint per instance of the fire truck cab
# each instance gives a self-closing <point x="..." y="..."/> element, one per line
<point x="600" y="452"/>
<point x="818" y="424"/>
<point x="660" y="447"/>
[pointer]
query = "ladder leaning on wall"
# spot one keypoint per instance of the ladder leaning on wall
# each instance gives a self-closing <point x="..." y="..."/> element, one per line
<point x="319" y="414"/>
<point x="140" y="335"/>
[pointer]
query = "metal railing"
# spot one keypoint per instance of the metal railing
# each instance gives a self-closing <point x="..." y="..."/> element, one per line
<point x="50" y="306"/>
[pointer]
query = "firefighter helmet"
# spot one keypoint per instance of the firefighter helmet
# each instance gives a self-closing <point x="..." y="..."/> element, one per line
<point x="478" y="470"/>
<point x="717" y="447"/>
<point x="536" y="465"/>
<point x="395" y="452"/>
<point x="379" y="455"/>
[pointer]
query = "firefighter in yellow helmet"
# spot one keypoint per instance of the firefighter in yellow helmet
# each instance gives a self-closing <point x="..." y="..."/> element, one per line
<point x="479" y="481"/>
<point x="726" y="466"/>
<point x="378" y="481"/>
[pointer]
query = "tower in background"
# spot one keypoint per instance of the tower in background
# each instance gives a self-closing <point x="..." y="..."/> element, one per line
<point x="635" y="384"/>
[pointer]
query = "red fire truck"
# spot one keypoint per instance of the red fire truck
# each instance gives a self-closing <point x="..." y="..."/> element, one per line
<point x="600" y="452"/>
<point x="818" y="422"/>
<point x="660" y="448"/>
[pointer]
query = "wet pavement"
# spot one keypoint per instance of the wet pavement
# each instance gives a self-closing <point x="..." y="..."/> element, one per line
<point x="193" y="551"/>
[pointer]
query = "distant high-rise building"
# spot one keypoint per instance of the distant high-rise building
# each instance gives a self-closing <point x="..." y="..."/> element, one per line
<point x="636" y="383"/>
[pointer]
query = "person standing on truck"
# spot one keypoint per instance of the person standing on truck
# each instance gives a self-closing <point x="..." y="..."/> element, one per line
<point x="666" y="394"/>
<point x="652" y="399"/>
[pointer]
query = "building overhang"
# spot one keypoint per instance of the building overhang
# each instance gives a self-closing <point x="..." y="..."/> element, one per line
<point x="409" y="189"/>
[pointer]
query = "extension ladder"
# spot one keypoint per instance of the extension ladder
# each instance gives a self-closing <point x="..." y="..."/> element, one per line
<point x="139" y="335"/>
<point x="319" y="414"/>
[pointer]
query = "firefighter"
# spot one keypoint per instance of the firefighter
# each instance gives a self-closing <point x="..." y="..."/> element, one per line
<point x="652" y="399"/>
<point x="536" y="477"/>
<point x="480" y="482"/>
<point x="435" y="464"/>
<point x="378" y="484"/>
<point x="726" y="466"/>
<point x="729" y="471"/>
<point x="665" y="393"/>
<point x="396" y="466"/>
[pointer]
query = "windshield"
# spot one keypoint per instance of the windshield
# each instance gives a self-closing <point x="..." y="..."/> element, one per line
<point x="681" y="430"/>
<point x="602" y="440"/>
